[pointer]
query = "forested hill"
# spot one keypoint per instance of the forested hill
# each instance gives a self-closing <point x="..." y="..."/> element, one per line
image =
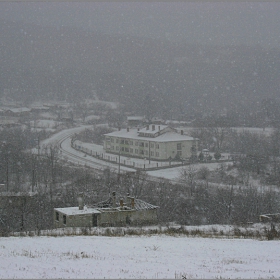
<point x="148" y="75"/>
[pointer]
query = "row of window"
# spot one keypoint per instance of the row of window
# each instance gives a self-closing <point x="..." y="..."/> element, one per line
<point x="130" y="142"/>
<point x="135" y="151"/>
<point x="139" y="143"/>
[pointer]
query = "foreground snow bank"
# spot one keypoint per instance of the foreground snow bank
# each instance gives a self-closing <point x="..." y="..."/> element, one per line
<point x="137" y="257"/>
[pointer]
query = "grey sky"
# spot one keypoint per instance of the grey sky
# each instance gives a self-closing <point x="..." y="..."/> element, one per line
<point x="202" y="22"/>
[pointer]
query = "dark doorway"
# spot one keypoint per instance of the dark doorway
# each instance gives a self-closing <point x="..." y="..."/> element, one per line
<point x="94" y="220"/>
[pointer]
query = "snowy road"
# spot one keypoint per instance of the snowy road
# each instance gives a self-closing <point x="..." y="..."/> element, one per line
<point x="62" y="140"/>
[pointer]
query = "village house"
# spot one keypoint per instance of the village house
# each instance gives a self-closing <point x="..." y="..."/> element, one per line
<point x="112" y="212"/>
<point x="154" y="142"/>
<point x="134" y="121"/>
<point x="18" y="112"/>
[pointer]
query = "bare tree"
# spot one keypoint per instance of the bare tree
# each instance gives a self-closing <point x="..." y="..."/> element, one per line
<point x="187" y="177"/>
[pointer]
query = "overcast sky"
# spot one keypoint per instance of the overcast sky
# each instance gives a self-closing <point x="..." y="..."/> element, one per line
<point x="218" y="23"/>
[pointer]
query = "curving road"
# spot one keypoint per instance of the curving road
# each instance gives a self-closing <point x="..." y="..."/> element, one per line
<point x="62" y="140"/>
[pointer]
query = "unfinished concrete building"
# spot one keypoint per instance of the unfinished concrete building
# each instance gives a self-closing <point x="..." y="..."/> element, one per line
<point x="111" y="212"/>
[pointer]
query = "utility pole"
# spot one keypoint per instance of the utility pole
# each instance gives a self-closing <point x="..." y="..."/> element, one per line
<point x="149" y="152"/>
<point x="119" y="169"/>
<point x="7" y="171"/>
<point x="38" y="145"/>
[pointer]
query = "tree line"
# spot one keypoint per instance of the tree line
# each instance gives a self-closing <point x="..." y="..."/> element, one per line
<point x="48" y="182"/>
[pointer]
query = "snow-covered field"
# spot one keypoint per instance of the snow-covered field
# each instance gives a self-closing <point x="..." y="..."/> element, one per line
<point x="153" y="257"/>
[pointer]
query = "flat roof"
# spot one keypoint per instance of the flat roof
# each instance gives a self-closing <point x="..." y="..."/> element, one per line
<point x="71" y="211"/>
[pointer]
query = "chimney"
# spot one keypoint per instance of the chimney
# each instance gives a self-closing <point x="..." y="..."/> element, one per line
<point x="147" y="127"/>
<point x="153" y="127"/>
<point x="182" y="132"/>
<point x="81" y="201"/>
<point x="159" y="127"/>
<point x="127" y="198"/>
<point x="132" y="203"/>
<point x="127" y="129"/>
<point x="138" y="128"/>
<point x="114" y="199"/>
<point x="121" y="203"/>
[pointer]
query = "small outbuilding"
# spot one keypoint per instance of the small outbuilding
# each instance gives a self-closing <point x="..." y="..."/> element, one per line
<point x="124" y="212"/>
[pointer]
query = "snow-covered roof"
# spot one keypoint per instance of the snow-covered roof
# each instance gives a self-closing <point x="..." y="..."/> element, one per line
<point x="92" y="117"/>
<point x="71" y="211"/>
<point x="138" y="205"/>
<point x="19" y="110"/>
<point x="165" y="137"/>
<point x="40" y="108"/>
<point x="135" y="118"/>
<point x="17" y="194"/>
<point x="104" y="206"/>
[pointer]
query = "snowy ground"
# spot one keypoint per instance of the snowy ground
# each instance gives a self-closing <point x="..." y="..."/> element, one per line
<point x="67" y="152"/>
<point x="174" y="173"/>
<point x="153" y="257"/>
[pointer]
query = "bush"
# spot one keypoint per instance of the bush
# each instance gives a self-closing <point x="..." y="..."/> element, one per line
<point x="217" y="155"/>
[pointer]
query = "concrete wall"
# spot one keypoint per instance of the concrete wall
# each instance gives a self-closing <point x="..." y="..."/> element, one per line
<point x="84" y="220"/>
<point x="170" y="149"/>
<point x="107" y="218"/>
<point x="128" y="217"/>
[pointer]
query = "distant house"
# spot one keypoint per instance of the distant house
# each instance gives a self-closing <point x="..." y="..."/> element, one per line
<point x="8" y="121"/>
<point x="134" y="121"/>
<point x="156" y="120"/>
<point x="18" y="112"/>
<point x="155" y="142"/>
<point x="40" y="109"/>
<point x="111" y="212"/>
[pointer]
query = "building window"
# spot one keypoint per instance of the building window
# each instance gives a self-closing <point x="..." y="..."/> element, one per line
<point x="141" y="144"/>
<point x="57" y="216"/>
<point x="127" y="150"/>
<point x="112" y="147"/>
<point x="64" y="219"/>
<point x="112" y="140"/>
<point x="146" y="145"/>
<point x="117" y="140"/>
<point x="157" y="154"/>
<point x="152" y="154"/>
<point x="136" y="143"/>
<point x="179" y="146"/>
<point x="117" y="148"/>
<point x="179" y="153"/>
<point x="157" y="146"/>
<point x="108" y="139"/>
<point x="126" y="142"/>
<point x="136" y="151"/>
<point x="122" y="149"/>
<point x="146" y="153"/>
<point x="130" y="142"/>
<point x="131" y="151"/>
<point x="152" y="145"/>
<point x="141" y="152"/>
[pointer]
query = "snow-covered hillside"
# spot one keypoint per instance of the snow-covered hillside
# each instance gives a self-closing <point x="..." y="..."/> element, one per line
<point x="137" y="257"/>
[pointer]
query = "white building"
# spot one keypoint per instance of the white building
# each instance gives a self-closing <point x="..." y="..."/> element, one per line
<point x="154" y="142"/>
